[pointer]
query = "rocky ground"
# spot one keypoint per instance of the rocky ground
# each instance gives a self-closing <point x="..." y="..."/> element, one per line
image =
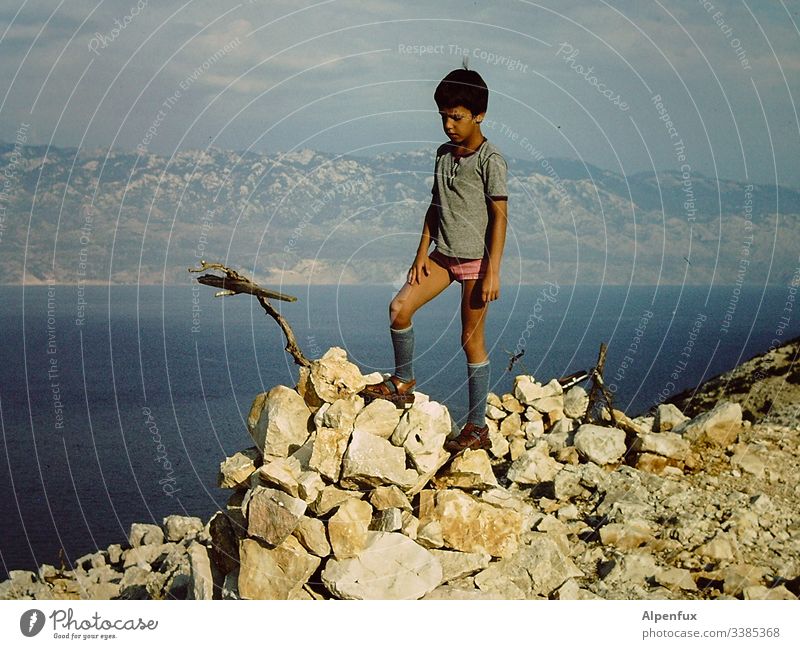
<point x="342" y="499"/>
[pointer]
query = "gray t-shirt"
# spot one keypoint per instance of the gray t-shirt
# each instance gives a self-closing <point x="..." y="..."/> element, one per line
<point x="461" y="188"/>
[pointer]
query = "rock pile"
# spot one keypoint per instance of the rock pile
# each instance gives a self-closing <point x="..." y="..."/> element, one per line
<point x="338" y="499"/>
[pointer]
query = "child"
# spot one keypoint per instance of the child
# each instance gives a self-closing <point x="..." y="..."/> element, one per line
<point x="467" y="220"/>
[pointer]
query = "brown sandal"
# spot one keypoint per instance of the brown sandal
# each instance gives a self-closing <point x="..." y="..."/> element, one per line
<point x="400" y="393"/>
<point x="471" y="437"/>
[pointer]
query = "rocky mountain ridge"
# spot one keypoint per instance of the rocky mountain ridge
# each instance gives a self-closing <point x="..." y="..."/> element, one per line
<point x="307" y="216"/>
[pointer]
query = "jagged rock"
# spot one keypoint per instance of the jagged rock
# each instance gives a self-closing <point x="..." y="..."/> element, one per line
<point x="668" y="444"/>
<point x="103" y="590"/>
<point x="372" y="461"/>
<point x="379" y="418"/>
<point x="272" y="515"/>
<point x="409" y="525"/>
<point x="652" y="463"/>
<point x="537" y="568"/>
<point x="668" y="417"/>
<point x="311" y="534"/>
<point x="567" y="484"/>
<point x="274" y="573"/>
<point x="279" y="421"/>
<point x="575" y="402"/>
<point x="534" y="466"/>
<point x="511" y="404"/>
<point x="391" y="566"/>
<point x="526" y="389"/>
<point x="329" y="448"/>
<point x="548" y="405"/>
<point x="182" y="527"/>
<point x="500" y="446"/>
<point x="202" y="584"/>
<point x="570" y="590"/>
<point x="114" y="553"/>
<point x="763" y="593"/>
<point x="534" y="430"/>
<point x="471" y="470"/>
<point x="628" y="535"/>
<point x="145" y="534"/>
<point x="600" y="444"/>
<point x="283" y="473"/>
<point x="341" y="413"/>
<point x="348" y="527"/>
<point x="333" y="377"/>
<point x="422" y="431"/>
<point x="309" y="486"/>
<point x="511" y="425"/>
<point x="456" y="565"/>
<point x="470" y="525"/>
<point x="93" y="560"/>
<point x="719" y="426"/>
<point x="387" y="520"/>
<point x="330" y="497"/>
<point x="720" y="548"/>
<point x="495" y="412"/>
<point x="674" y="578"/>
<point x="517" y="447"/>
<point x="235" y="470"/>
<point x="389" y="497"/>
<point x="746" y="458"/>
<point x="430" y="534"/>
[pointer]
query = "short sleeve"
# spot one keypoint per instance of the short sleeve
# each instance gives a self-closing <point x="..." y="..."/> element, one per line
<point x="494" y="176"/>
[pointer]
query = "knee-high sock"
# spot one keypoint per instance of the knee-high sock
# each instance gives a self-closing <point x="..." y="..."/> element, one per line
<point x="403" y="343"/>
<point x="478" y="377"/>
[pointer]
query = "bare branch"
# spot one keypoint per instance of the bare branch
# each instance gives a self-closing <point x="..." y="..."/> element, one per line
<point x="234" y="283"/>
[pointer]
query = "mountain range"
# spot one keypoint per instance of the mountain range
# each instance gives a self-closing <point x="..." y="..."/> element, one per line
<point x="101" y="216"/>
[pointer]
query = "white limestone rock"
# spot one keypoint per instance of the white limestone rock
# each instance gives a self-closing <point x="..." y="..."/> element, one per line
<point x="534" y="466"/>
<point x="272" y="515"/>
<point x="719" y="426"/>
<point x="422" y="431"/>
<point x="600" y="444"/>
<point x="279" y="421"/>
<point x="379" y="418"/>
<point x="235" y="470"/>
<point x="575" y="402"/>
<point x="391" y="566"/>
<point x="668" y="417"/>
<point x="372" y="461"/>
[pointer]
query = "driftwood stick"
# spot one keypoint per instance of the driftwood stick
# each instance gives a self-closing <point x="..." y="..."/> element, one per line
<point x="598" y="388"/>
<point x="234" y="283"/>
<point x="291" y="342"/>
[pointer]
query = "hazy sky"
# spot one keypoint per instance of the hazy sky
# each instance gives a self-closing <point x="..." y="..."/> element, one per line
<point x="567" y="78"/>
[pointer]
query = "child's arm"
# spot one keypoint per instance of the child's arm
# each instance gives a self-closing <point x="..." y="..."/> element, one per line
<point x="420" y="264"/>
<point x="498" y="218"/>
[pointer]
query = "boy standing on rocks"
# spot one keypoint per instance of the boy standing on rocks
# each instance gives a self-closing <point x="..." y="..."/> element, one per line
<point x="467" y="221"/>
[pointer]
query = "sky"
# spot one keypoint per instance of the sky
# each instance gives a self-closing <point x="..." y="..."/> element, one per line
<point x="694" y="85"/>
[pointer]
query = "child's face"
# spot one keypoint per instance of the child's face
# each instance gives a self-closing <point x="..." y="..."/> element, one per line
<point x="459" y="124"/>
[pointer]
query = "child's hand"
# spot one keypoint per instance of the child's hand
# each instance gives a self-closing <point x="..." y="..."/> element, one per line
<point x="419" y="267"/>
<point x="490" y="289"/>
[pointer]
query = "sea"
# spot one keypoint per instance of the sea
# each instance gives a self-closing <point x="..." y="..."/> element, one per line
<point x="118" y="403"/>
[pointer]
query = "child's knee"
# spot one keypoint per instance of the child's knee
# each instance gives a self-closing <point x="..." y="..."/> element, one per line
<point x="397" y="310"/>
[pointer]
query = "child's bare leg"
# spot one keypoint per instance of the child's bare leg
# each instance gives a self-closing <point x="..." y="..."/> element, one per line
<point x="412" y="296"/>
<point x="473" y="318"/>
<point x="402" y="308"/>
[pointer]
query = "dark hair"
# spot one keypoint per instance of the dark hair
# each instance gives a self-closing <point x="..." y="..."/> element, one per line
<point x="462" y="88"/>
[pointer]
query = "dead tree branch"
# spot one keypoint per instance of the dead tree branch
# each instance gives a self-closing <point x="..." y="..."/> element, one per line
<point x="233" y="283"/>
<point x="598" y="389"/>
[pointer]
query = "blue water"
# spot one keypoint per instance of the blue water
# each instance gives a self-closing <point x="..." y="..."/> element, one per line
<point x="142" y="368"/>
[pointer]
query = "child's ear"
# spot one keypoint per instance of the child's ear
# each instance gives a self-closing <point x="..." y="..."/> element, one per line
<point x="479" y="117"/>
